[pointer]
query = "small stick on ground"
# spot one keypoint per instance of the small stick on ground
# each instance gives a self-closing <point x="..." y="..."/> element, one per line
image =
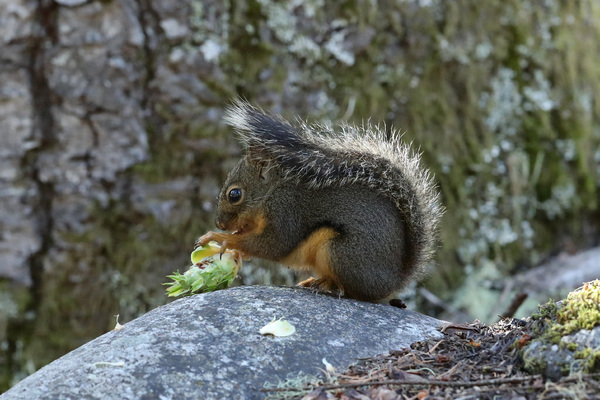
<point x="514" y="305"/>
<point x="404" y="382"/>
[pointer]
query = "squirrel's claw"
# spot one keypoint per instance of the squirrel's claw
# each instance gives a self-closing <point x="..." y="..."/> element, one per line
<point x="308" y="283"/>
<point x="223" y="248"/>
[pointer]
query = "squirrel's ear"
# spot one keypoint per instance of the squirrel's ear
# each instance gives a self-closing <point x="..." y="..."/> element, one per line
<point x="265" y="170"/>
<point x="263" y="166"/>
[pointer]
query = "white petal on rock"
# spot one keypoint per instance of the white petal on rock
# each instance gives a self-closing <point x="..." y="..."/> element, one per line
<point x="278" y="327"/>
<point x="118" y="326"/>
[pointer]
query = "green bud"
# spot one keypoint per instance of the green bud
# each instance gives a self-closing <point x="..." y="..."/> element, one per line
<point x="209" y="273"/>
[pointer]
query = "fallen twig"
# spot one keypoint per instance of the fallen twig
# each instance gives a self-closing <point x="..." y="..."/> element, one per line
<point x="432" y="382"/>
<point x="514" y="305"/>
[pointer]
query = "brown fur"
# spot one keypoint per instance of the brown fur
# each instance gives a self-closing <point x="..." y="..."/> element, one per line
<point x="314" y="254"/>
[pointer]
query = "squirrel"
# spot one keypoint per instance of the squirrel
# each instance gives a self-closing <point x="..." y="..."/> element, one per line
<point x="354" y="206"/>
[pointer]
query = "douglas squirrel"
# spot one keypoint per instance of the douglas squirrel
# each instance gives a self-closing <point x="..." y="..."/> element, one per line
<point x="354" y="206"/>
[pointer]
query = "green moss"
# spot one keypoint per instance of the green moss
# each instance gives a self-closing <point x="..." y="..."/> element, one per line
<point x="581" y="310"/>
<point x="546" y="311"/>
<point x="534" y="365"/>
<point x="591" y="359"/>
<point x="14" y="300"/>
<point x="571" y="346"/>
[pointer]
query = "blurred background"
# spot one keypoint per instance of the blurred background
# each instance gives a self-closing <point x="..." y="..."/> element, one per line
<point x="113" y="150"/>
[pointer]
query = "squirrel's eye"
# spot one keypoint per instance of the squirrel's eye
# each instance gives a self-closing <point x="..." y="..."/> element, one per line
<point x="235" y="195"/>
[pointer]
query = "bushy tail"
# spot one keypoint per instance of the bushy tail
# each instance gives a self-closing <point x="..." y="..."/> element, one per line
<point x="364" y="155"/>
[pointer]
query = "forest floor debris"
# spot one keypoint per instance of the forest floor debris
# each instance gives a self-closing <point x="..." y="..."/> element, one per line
<point x="472" y="361"/>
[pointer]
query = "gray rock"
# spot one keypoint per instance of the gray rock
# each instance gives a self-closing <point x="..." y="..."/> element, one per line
<point x="562" y="273"/>
<point x="208" y="346"/>
<point x="575" y="354"/>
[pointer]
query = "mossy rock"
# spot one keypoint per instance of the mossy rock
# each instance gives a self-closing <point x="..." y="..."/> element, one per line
<point x="569" y="335"/>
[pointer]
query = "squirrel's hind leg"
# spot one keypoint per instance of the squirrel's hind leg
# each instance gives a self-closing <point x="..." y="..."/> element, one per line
<point x="313" y="253"/>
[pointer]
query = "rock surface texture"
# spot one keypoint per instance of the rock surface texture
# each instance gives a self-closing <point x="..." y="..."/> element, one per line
<point x="208" y="346"/>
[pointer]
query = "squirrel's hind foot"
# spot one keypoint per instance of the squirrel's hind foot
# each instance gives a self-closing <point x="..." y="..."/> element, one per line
<point x="322" y="285"/>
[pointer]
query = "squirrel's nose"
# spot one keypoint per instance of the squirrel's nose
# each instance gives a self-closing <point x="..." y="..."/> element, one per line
<point x="220" y="225"/>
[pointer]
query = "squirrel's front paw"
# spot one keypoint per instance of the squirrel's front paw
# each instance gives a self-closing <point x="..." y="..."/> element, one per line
<point x="204" y="239"/>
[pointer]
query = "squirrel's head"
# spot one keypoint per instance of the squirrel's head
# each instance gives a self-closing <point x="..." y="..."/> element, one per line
<point x="241" y="200"/>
